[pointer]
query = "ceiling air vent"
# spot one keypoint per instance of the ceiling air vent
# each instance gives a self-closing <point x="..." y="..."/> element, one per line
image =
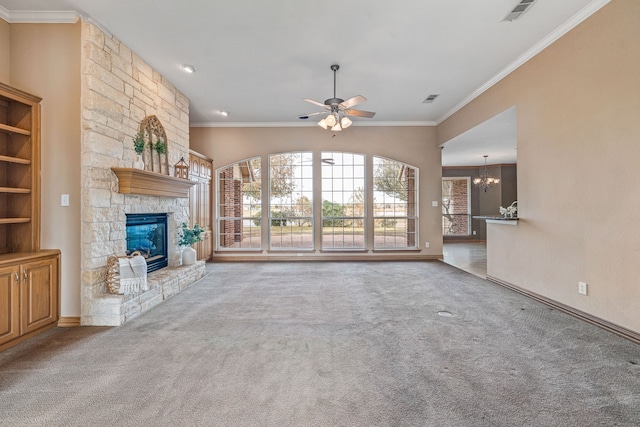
<point x="521" y="7"/>
<point x="429" y="99"/>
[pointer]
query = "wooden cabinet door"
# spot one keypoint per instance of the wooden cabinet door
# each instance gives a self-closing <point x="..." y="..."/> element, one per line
<point x="200" y="203"/>
<point x="9" y="303"/>
<point x="39" y="294"/>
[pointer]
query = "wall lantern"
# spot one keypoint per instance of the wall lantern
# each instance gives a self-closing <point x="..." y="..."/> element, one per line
<point x="181" y="169"/>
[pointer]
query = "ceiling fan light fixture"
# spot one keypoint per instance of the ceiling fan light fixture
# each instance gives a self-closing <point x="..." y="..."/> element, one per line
<point x="337" y="109"/>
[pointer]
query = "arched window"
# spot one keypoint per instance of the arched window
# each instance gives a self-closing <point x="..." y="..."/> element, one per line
<point x="239" y="202"/>
<point x="395" y="202"/>
<point x="351" y="193"/>
<point x="291" y="201"/>
<point x="343" y="201"/>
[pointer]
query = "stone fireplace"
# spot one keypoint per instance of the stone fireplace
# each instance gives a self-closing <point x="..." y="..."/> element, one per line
<point x="118" y="91"/>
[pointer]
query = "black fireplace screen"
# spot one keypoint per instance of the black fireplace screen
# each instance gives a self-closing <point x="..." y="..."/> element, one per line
<point x="147" y="234"/>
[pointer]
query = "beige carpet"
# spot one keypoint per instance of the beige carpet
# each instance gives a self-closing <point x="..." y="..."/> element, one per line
<point x="328" y="344"/>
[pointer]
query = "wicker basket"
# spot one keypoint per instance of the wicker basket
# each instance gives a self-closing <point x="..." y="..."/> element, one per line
<point x="112" y="279"/>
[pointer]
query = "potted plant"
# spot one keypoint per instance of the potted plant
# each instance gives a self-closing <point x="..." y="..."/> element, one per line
<point x="138" y="145"/>
<point x="161" y="146"/>
<point x="188" y="237"/>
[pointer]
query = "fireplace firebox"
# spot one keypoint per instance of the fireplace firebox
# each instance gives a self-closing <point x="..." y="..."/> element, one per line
<point x="147" y="234"/>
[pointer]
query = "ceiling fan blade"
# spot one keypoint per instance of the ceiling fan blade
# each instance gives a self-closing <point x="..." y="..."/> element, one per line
<point x="352" y="101"/>
<point x="311" y="114"/>
<point x="359" y="113"/>
<point x="320" y="104"/>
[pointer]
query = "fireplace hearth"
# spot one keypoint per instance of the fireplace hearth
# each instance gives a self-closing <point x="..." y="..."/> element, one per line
<point x="147" y="234"/>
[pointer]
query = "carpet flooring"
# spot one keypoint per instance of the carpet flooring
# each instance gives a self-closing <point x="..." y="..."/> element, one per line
<point x="328" y="344"/>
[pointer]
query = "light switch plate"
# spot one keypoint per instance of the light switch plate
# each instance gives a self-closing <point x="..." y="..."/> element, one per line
<point x="64" y="200"/>
<point x="582" y="288"/>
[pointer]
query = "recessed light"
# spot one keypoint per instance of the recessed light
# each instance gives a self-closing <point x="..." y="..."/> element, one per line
<point x="224" y="113"/>
<point x="189" y="68"/>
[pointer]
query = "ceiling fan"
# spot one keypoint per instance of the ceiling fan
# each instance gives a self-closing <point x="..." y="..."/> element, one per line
<point x="338" y="109"/>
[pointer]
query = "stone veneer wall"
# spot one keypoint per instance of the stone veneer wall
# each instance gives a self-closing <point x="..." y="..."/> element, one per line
<point x="118" y="91"/>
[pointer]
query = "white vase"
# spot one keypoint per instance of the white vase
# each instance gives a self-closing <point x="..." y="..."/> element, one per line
<point x="138" y="163"/>
<point x="188" y="256"/>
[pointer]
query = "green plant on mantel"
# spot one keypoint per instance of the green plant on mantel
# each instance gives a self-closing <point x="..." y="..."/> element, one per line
<point x="139" y="142"/>
<point x="161" y="146"/>
<point x="189" y="236"/>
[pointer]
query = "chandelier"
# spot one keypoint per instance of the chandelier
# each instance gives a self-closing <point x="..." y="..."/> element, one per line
<point x="485" y="180"/>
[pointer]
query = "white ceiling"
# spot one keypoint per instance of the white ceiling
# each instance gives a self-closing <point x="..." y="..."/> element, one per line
<point x="257" y="59"/>
<point x="495" y="138"/>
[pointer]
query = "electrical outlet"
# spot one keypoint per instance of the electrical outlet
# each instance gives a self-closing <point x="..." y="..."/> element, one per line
<point x="426" y="244"/>
<point x="434" y="203"/>
<point x="582" y="288"/>
<point x="64" y="200"/>
<point x="474" y="232"/>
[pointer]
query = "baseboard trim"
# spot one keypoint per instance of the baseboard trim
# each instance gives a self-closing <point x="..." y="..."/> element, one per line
<point x="343" y="256"/>
<point x="594" y="320"/>
<point x="69" y="321"/>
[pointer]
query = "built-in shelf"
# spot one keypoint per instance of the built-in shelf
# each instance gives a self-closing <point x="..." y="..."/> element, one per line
<point x="137" y="181"/>
<point x="12" y="129"/>
<point x="14" y="220"/>
<point x="15" y="190"/>
<point x="15" y="160"/>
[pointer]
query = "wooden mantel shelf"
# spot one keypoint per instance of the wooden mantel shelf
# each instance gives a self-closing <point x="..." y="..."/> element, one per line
<point x="137" y="181"/>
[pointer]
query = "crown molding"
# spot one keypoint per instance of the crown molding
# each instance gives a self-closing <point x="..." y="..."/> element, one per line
<point x="39" y="16"/>
<point x="298" y="125"/>
<point x="563" y="29"/>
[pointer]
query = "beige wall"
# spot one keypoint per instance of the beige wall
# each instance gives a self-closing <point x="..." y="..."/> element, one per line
<point x="578" y="106"/>
<point x="4" y="51"/>
<point x="413" y="145"/>
<point x="45" y="61"/>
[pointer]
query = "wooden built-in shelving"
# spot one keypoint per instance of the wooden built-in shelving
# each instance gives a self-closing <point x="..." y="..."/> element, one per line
<point x="19" y="171"/>
<point x="14" y="220"/>
<point x="10" y="159"/>
<point x="29" y="277"/>
<point x="15" y="190"/>
<point x="12" y="129"/>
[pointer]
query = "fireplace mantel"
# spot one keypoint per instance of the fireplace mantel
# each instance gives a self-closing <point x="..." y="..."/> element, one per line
<point x="137" y="181"/>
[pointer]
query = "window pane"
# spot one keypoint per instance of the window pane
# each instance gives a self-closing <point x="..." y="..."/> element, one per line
<point x="291" y="200"/>
<point x="343" y="201"/>
<point x="456" y="207"/>
<point x="239" y="202"/>
<point x="395" y="197"/>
